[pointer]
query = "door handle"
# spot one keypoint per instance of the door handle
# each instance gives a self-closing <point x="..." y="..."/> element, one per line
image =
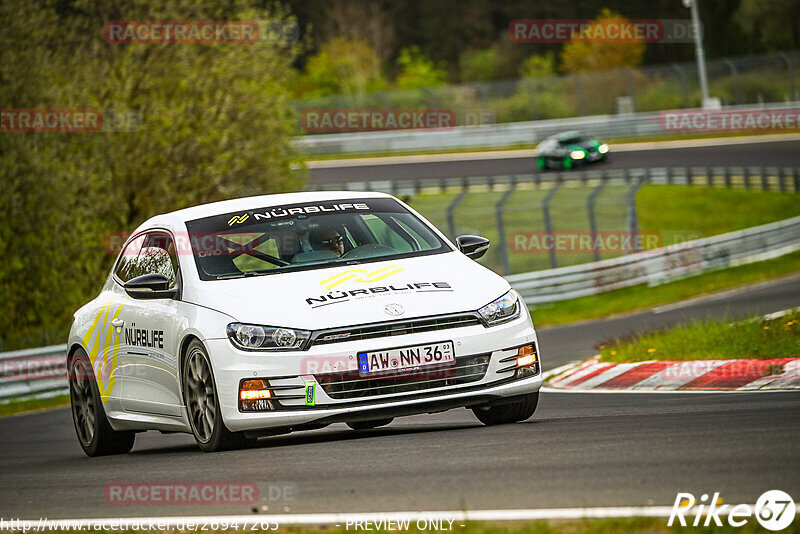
<point x="117" y="323"/>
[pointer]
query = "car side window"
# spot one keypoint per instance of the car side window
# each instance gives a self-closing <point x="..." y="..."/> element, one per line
<point x="126" y="265"/>
<point x="158" y="256"/>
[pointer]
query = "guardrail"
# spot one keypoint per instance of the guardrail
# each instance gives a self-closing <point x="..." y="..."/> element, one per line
<point x="29" y="372"/>
<point x="38" y="371"/>
<point x="497" y="135"/>
<point x="784" y="179"/>
<point x="661" y="265"/>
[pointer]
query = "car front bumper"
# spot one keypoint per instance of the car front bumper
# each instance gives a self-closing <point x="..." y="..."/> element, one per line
<point x="292" y="373"/>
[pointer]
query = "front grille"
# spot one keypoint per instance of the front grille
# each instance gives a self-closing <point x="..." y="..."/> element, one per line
<point x="394" y="328"/>
<point x="350" y="385"/>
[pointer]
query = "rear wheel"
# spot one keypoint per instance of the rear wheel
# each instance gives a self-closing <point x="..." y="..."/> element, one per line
<point x="503" y="414"/>
<point x="95" y="434"/>
<point x="202" y="403"/>
<point x="368" y="425"/>
<point x="541" y="163"/>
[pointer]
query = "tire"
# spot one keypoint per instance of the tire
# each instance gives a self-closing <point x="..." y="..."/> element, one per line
<point x="566" y="163"/>
<point x="541" y="163"/>
<point x="202" y="403"/>
<point x="369" y="425"/>
<point x="94" y="432"/>
<point x="504" y="414"/>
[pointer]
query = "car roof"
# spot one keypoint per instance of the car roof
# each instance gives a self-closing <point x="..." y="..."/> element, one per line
<point x="568" y="135"/>
<point x="176" y="219"/>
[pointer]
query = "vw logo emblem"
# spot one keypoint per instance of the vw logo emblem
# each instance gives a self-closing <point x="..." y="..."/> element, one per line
<point x="394" y="309"/>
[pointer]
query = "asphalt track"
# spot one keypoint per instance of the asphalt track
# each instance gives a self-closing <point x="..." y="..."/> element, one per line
<point x="769" y="154"/>
<point x="578" y="450"/>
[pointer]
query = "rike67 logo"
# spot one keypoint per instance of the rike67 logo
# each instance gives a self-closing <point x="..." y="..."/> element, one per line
<point x="774" y="510"/>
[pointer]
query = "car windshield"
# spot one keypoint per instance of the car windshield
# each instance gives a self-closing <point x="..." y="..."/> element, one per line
<point x="305" y="236"/>
<point x="575" y="140"/>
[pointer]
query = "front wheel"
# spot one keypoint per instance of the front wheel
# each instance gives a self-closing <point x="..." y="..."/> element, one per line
<point x="503" y="414"/>
<point x="95" y="434"/>
<point x="202" y="403"/>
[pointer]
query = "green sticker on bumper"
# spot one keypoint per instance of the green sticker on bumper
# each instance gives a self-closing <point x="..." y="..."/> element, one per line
<point x="309" y="393"/>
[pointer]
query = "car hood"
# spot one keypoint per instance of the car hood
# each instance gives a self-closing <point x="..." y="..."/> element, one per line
<point x="354" y="294"/>
<point x="589" y="144"/>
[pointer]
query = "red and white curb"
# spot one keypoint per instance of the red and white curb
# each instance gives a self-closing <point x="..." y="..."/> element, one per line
<point x="699" y="375"/>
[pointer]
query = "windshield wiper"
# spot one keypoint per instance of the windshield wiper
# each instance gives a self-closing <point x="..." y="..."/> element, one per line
<point x="239" y="275"/>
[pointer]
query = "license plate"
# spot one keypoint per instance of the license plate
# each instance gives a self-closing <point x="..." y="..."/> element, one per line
<point x="406" y="359"/>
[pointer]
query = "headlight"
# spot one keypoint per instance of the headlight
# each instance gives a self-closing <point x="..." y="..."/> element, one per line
<point x="256" y="337"/>
<point x="577" y="154"/>
<point x="501" y="310"/>
<point x="602" y="148"/>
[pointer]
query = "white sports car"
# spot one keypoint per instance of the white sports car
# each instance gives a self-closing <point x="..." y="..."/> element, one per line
<point x="259" y="316"/>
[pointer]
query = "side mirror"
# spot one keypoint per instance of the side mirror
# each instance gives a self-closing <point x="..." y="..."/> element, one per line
<point x="150" y="286"/>
<point x="473" y="246"/>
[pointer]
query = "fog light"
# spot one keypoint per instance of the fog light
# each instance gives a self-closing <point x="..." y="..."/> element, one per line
<point x="526" y="356"/>
<point x="254" y="395"/>
<point x="526" y="361"/>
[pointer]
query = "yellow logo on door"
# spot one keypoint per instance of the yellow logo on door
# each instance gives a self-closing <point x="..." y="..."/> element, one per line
<point x="360" y="275"/>
<point x="102" y="346"/>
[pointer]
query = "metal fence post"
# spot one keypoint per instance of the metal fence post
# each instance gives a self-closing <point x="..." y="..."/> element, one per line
<point x="737" y="91"/>
<point x="581" y="97"/>
<point x="790" y="74"/>
<point x="548" y="225"/>
<point x="592" y="220"/>
<point x="501" y="227"/>
<point x="631" y="86"/>
<point x="684" y="84"/>
<point x="633" y="218"/>
<point x="451" y="223"/>
<point x="531" y="87"/>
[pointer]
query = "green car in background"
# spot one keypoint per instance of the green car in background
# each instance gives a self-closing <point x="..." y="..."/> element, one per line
<point x="568" y="149"/>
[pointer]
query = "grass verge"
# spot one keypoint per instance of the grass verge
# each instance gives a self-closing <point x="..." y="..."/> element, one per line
<point x="639" y="297"/>
<point x="670" y="213"/>
<point x="20" y="405"/>
<point x="757" y="339"/>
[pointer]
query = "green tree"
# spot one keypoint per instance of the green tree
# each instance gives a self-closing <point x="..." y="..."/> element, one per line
<point x="581" y="55"/>
<point x="774" y="23"/>
<point x="538" y="66"/>
<point x="215" y="123"/>
<point x="342" y="66"/>
<point x="417" y="71"/>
